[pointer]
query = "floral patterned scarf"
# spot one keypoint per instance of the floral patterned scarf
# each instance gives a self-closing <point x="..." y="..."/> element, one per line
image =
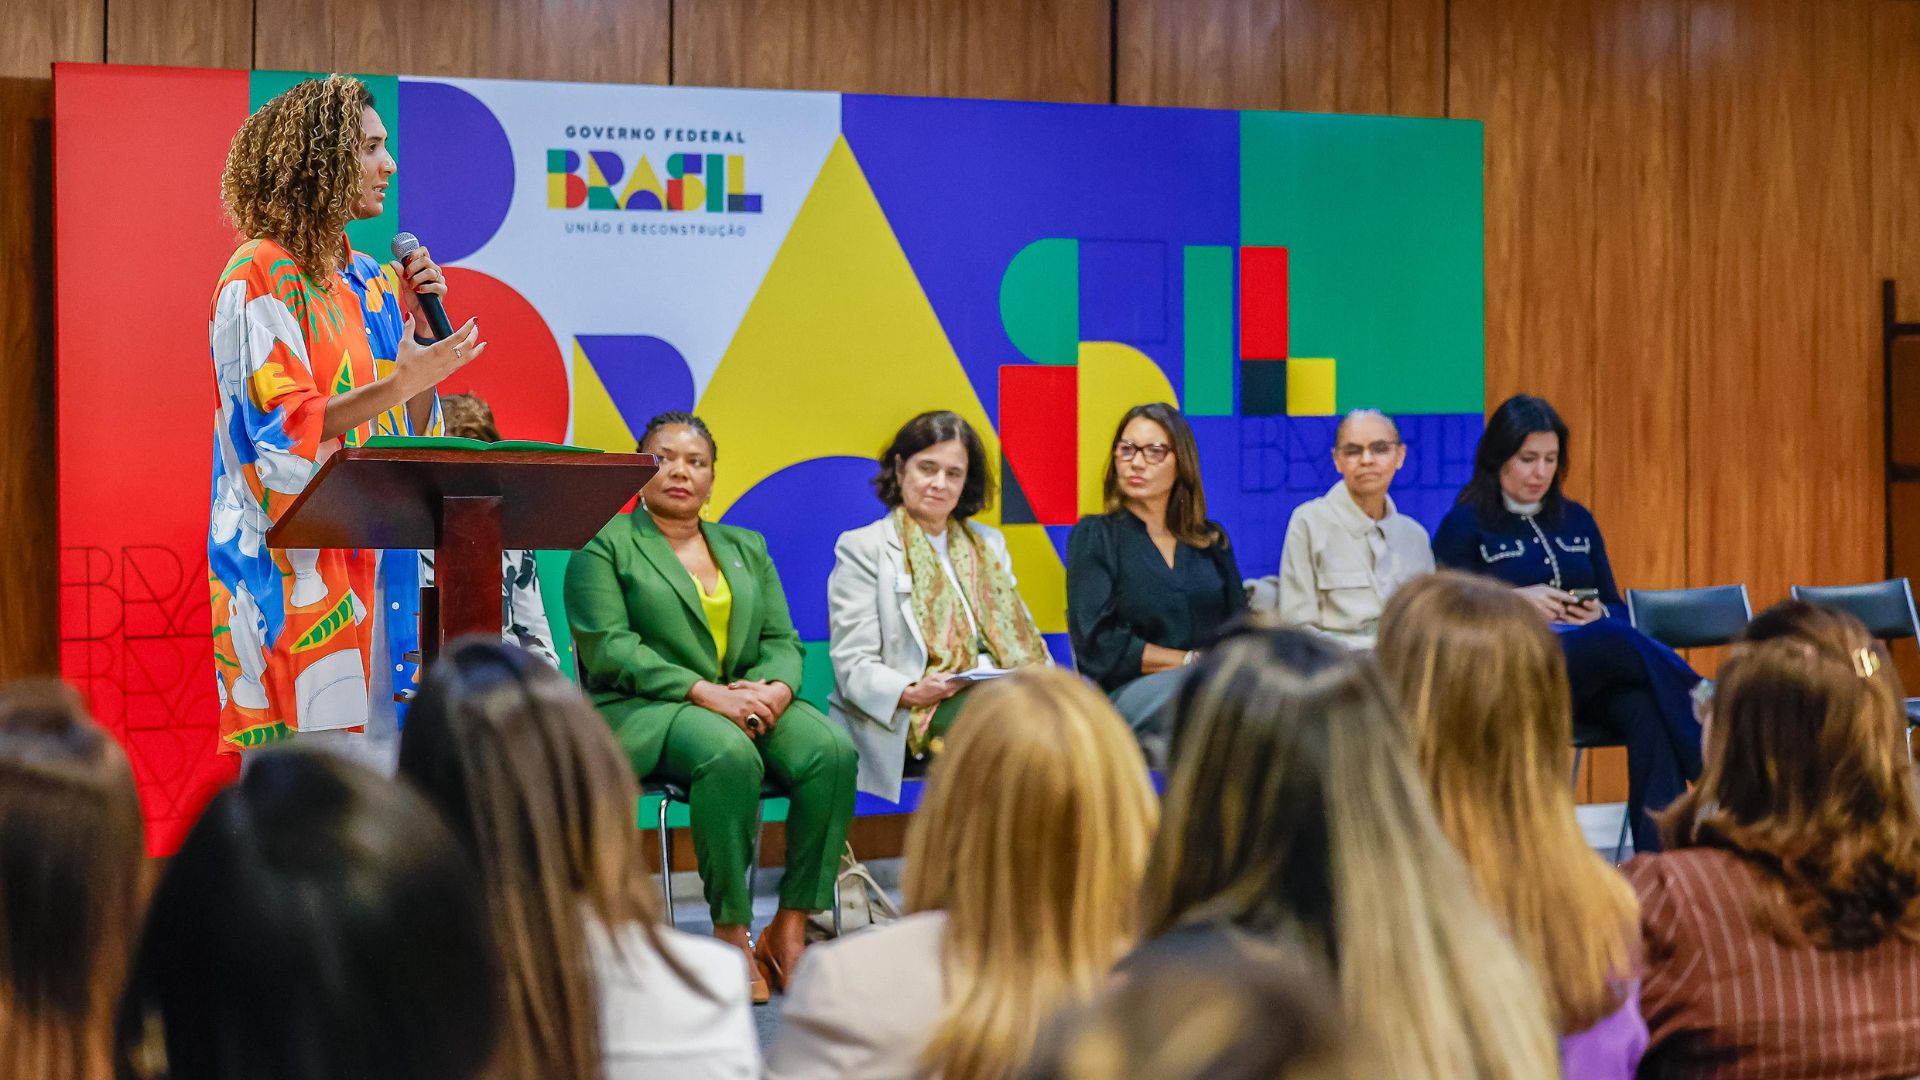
<point x="1007" y="632"/>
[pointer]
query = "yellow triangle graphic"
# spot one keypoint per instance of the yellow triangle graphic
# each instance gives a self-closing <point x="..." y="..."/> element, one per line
<point x="596" y="422"/>
<point x="838" y="349"/>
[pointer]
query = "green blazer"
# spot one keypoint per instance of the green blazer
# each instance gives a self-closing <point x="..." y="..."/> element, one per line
<point x="642" y="637"/>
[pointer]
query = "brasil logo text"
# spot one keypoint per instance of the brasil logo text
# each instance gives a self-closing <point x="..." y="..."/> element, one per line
<point x="715" y="183"/>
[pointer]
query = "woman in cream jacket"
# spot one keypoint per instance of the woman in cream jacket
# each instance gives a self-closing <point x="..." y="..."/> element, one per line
<point x="919" y="596"/>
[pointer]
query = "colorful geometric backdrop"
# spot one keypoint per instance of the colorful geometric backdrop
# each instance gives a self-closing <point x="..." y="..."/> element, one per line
<point x="806" y="270"/>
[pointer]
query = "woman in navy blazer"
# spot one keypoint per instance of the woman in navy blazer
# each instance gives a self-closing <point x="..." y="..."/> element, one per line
<point x="1513" y="523"/>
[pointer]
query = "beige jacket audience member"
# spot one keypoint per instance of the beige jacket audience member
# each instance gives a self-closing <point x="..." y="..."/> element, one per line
<point x="1023" y="864"/>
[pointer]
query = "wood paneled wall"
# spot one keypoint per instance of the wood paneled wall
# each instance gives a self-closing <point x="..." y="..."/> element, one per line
<point x="33" y="34"/>
<point x="1689" y="202"/>
<point x="1046" y="50"/>
<point x="1358" y="56"/>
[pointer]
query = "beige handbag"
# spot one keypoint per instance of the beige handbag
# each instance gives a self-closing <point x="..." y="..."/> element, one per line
<point x="863" y="903"/>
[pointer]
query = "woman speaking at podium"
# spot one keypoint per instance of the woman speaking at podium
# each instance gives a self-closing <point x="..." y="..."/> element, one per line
<point x="312" y="351"/>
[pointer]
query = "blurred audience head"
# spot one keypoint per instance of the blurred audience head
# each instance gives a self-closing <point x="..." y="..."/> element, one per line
<point x="1807" y="776"/>
<point x="70" y="865"/>
<point x="542" y="799"/>
<point x="1031" y="838"/>
<point x="1224" y="1010"/>
<point x="1482" y="684"/>
<point x="1294" y="811"/>
<point x="468" y="416"/>
<point x="319" y="922"/>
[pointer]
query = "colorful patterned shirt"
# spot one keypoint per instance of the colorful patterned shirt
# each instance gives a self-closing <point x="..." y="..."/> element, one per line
<point x="293" y="630"/>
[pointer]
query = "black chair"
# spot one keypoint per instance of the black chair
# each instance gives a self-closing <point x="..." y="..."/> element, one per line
<point x="1886" y="607"/>
<point x="1589" y="737"/>
<point x="1690" y="618"/>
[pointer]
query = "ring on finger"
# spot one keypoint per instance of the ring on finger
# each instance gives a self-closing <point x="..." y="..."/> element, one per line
<point x="456" y="352"/>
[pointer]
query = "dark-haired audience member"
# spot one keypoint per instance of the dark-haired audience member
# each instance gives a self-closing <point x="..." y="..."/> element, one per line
<point x="70" y="855"/>
<point x="687" y="648"/>
<point x="1513" y="523"/>
<point x="1348" y="550"/>
<point x="1483" y="686"/>
<point x="918" y="596"/>
<point x="1228" y="1009"/>
<point x="523" y="610"/>
<point x="1782" y="926"/>
<point x="1022" y="872"/>
<point x="541" y="797"/>
<point x="1293" y="813"/>
<point x="320" y="921"/>
<point x="1152" y="579"/>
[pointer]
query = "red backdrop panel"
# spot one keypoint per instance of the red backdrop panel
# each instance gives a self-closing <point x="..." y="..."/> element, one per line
<point x="521" y="375"/>
<point x="1263" y="303"/>
<point x="1040" y="433"/>
<point x="132" y="336"/>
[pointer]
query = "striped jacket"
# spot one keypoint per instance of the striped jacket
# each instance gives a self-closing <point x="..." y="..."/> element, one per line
<point x="1724" y="999"/>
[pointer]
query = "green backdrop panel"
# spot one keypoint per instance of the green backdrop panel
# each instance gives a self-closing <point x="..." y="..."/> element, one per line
<point x="1408" y="335"/>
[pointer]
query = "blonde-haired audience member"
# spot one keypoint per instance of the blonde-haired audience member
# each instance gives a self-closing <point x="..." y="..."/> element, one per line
<point x="1483" y="685"/>
<point x="1293" y="812"/>
<point x="1224" y="1010"/>
<point x="1023" y="865"/>
<point x="70" y="864"/>
<point x="1782" y="924"/>
<point x="541" y="797"/>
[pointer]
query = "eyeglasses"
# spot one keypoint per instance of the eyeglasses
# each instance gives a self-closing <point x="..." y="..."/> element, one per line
<point x="1155" y="453"/>
<point x="1352" y="451"/>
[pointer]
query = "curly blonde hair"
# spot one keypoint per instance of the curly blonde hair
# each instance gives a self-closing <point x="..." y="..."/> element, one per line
<point x="293" y="171"/>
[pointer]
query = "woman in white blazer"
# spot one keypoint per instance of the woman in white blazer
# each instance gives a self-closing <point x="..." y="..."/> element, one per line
<point x="919" y="596"/>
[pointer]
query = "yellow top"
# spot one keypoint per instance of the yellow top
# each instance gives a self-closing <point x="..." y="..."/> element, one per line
<point x="718" y="608"/>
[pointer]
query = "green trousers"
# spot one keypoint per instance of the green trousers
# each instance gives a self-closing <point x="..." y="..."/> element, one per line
<point x="808" y="755"/>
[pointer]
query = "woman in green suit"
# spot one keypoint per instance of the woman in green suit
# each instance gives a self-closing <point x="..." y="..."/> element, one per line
<point x="686" y="646"/>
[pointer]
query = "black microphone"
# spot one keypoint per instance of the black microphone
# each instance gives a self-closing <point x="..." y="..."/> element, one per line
<point x="430" y="306"/>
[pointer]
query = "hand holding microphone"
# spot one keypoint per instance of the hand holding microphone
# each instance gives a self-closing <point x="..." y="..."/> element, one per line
<point x="426" y="284"/>
<point x="423" y="366"/>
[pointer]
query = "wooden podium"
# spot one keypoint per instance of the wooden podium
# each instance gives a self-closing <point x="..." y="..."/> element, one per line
<point x="468" y="506"/>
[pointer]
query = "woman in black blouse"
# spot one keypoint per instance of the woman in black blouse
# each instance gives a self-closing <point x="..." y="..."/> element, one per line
<point x="1152" y="579"/>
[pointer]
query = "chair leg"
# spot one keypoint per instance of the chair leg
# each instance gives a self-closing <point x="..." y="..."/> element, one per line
<point x="759" y="832"/>
<point x="1577" y="751"/>
<point x="666" y="863"/>
<point x="1620" y="846"/>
